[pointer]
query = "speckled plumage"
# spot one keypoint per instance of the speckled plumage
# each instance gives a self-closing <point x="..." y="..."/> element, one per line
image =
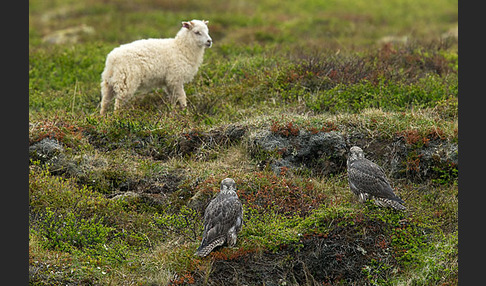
<point x="368" y="180"/>
<point x="223" y="219"/>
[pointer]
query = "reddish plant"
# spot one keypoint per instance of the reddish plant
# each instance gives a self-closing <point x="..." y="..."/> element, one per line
<point x="184" y="279"/>
<point x="269" y="191"/>
<point x="328" y="126"/>
<point x="284" y="129"/>
<point x="413" y="163"/>
<point x="56" y="129"/>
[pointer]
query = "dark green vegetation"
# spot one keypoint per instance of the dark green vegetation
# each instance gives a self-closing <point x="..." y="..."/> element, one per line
<point x="119" y="199"/>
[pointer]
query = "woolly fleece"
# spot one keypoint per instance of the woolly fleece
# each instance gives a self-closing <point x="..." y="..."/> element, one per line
<point x="155" y="63"/>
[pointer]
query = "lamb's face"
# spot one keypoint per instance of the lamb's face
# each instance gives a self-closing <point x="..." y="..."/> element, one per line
<point x="200" y="32"/>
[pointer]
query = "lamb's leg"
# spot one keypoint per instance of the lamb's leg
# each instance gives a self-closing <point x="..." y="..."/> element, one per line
<point x="182" y="98"/>
<point x="106" y="96"/>
<point x="177" y="94"/>
<point x="124" y="91"/>
<point x="120" y="100"/>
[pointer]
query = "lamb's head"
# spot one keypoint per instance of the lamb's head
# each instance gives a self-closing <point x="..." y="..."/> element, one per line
<point x="198" y="32"/>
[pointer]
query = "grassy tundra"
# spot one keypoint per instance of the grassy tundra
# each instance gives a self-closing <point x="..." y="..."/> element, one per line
<point x="119" y="200"/>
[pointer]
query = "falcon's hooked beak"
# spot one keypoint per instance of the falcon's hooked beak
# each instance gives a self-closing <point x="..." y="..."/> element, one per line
<point x="228" y="183"/>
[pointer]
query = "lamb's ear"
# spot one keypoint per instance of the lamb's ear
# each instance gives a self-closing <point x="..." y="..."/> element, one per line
<point x="205" y="22"/>
<point x="187" y="25"/>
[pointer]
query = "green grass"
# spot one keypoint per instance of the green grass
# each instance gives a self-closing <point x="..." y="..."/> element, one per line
<point x="123" y="202"/>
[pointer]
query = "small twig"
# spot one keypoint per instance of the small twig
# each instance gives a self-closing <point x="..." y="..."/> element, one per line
<point x="150" y="243"/>
<point x="74" y="96"/>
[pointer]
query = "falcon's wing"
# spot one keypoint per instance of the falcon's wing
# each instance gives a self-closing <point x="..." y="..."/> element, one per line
<point x="368" y="177"/>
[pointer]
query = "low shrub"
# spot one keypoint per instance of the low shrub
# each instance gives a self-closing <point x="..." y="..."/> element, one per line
<point x="63" y="231"/>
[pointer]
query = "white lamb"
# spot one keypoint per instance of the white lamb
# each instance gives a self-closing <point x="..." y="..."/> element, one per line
<point x="152" y="63"/>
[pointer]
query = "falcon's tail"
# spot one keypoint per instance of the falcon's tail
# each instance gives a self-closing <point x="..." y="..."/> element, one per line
<point x="394" y="204"/>
<point x="397" y="199"/>
<point x="204" y="250"/>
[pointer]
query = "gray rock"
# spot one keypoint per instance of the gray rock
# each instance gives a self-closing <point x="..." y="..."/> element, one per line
<point x="322" y="152"/>
<point x="45" y="150"/>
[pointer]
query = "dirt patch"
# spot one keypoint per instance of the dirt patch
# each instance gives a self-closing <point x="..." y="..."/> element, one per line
<point x="162" y="148"/>
<point x="345" y="256"/>
<point x="154" y="191"/>
<point x="166" y="183"/>
<point x="191" y="142"/>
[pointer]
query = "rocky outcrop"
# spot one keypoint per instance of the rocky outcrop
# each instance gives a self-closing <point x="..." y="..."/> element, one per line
<point x="324" y="153"/>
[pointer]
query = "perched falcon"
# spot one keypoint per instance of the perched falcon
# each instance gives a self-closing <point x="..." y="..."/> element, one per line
<point x="222" y="219"/>
<point x="368" y="180"/>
